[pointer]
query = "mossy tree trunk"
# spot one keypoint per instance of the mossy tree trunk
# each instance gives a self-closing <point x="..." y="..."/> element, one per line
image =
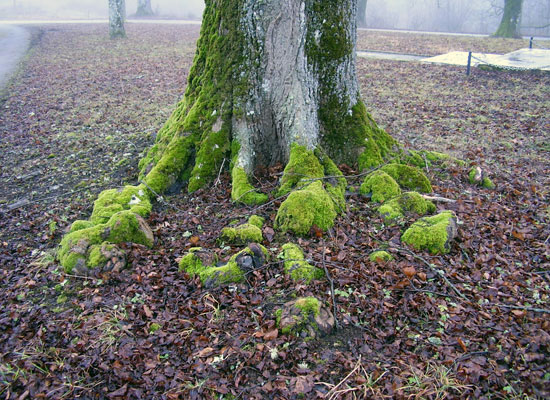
<point x="267" y="75"/>
<point x="511" y="19"/>
<point x="117" y="15"/>
<point x="362" y="14"/>
<point x="144" y="8"/>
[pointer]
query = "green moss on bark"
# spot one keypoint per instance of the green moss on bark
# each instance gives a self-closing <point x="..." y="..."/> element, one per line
<point x="302" y="165"/>
<point x="242" y="191"/>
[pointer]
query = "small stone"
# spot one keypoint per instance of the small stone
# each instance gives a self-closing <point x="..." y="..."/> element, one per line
<point x="306" y="314"/>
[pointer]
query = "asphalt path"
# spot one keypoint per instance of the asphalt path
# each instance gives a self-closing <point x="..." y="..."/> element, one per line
<point x="14" y="42"/>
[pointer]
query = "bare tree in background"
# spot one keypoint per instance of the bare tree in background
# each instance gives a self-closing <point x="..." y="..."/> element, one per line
<point x="116" y="18"/>
<point x="144" y="9"/>
<point x="511" y="19"/>
<point x="362" y="13"/>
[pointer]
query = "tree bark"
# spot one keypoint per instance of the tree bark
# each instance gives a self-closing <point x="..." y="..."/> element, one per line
<point x="266" y="76"/>
<point x="144" y="9"/>
<point x="362" y="14"/>
<point x="511" y="18"/>
<point x="116" y="19"/>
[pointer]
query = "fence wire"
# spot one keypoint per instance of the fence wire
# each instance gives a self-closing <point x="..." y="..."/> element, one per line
<point x="508" y="67"/>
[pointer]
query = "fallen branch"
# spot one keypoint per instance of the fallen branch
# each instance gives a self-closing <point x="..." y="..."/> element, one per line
<point x="332" y="393"/>
<point x="524" y="308"/>
<point x="439" y="199"/>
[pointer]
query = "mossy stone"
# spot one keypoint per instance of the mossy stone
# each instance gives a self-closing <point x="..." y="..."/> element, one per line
<point x="380" y="186"/>
<point x="305" y="315"/>
<point x="432" y="233"/>
<point x="296" y="266"/>
<point x="242" y="234"/>
<point x="256" y="221"/>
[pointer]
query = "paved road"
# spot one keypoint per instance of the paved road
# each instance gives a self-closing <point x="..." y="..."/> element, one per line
<point x="14" y="42"/>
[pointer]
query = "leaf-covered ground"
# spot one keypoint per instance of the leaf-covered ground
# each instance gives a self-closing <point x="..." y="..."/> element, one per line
<point x="75" y="121"/>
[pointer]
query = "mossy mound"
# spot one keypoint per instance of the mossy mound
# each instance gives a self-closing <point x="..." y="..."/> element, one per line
<point x="246" y="233"/>
<point x="380" y="256"/>
<point x="408" y="177"/>
<point x="423" y="158"/>
<point x="305" y="317"/>
<point x="296" y="266"/>
<point x="109" y="202"/>
<point x="380" y="186"/>
<point x="304" y="208"/>
<point x="242" y="191"/>
<point x="432" y="233"/>
<point x="477" y="177"/>
<point x="75" y="253"/>
<point x="204" y="264"/>
<point x="408" y="202"/>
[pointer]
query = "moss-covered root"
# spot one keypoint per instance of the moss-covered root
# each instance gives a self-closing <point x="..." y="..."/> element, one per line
<point x="109" y="202"/>
<point x="201" y="263"/>
<point x="242" y="191"/>
<point x="313" y="201"/>
<point x="432" y="233"/>
<point x="296" y="266"/>
<point x="478" y="177"/>
<point x="408" y="177"/>
<point x="408" y="202"/>
<point x="246" y="233"/>
<point x="305" y="317"/>
<point x="380" y="187"/>
<point x="380" y="256"/>
<point x="79" y="250"/>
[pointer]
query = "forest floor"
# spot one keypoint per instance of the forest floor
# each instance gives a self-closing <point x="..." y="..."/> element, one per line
<point x="77" y="118"/>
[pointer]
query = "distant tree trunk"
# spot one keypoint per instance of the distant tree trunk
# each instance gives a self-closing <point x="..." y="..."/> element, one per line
<point x="144" y="9"/>
<point x="116" y="18"/>
<point x="362" y="13"/>
<point x="511" y="18"/>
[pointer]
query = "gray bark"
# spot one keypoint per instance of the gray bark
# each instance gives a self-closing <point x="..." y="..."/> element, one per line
<point x="116" y="18"/>
<point x="144" y="8"/>
<point x="287" y="83"/>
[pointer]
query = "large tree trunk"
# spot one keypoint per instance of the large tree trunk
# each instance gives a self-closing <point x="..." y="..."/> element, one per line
<point x="511" y="18"/>
<point x="117" y="15"/>
<point x="144" y="9"/>
<point x="362" y="13"/>
<point x="267" y="75"/>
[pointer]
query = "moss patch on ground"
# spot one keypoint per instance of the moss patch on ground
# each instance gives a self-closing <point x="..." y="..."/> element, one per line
<point x="432" y="233"/>
<point x="380" y="255"/>
<point x="296" y="266"/>
<point x="245" y="233"/>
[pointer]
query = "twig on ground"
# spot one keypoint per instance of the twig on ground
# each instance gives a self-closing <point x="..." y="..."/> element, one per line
<point x="332" y="393"/>
<point x="524" y="308"/>
<point x="160" y="199"/>
<point x="439" y="199"/>
<point x="434" y="269"/>
<point x="218" y="180"/>
<point x="331" y="281"/>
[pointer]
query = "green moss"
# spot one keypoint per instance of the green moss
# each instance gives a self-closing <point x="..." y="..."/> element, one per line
<point x="335" y="183"/>
<point x="431" y="233"/>
<point x="380" y="186"/>
<point x="305" y="208"/>
<point x="278" y="315"/>
<point x="476" y="177"/>
<point x="296" y="266"/>
<point x="256" y="221"/>
<point x="80" y="224"/>
<point x="154" y="327"/>
<point x="95" y="257"/>
<point x="423" y="158"/>
<point x="408" y="177"/>
<point x="302" y="165"/>
<point x="487" y="183"/>
<point x="309" y="306"/>
<point x="379" y="256"/>
<point x="215" y="275"/>
<point x="242" y="234"/>
<point x="112" y="201"/>
<point x="124" y="226"/>
<point x="408" y="202"/>
<point x="242" y="191"/>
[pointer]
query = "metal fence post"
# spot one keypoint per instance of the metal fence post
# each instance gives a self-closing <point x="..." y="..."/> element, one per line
<point x="469" y="63"/>
<point x="531" y="43"/>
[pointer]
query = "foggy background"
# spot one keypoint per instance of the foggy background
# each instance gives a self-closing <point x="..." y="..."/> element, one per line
<point x="462" y="16"/>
